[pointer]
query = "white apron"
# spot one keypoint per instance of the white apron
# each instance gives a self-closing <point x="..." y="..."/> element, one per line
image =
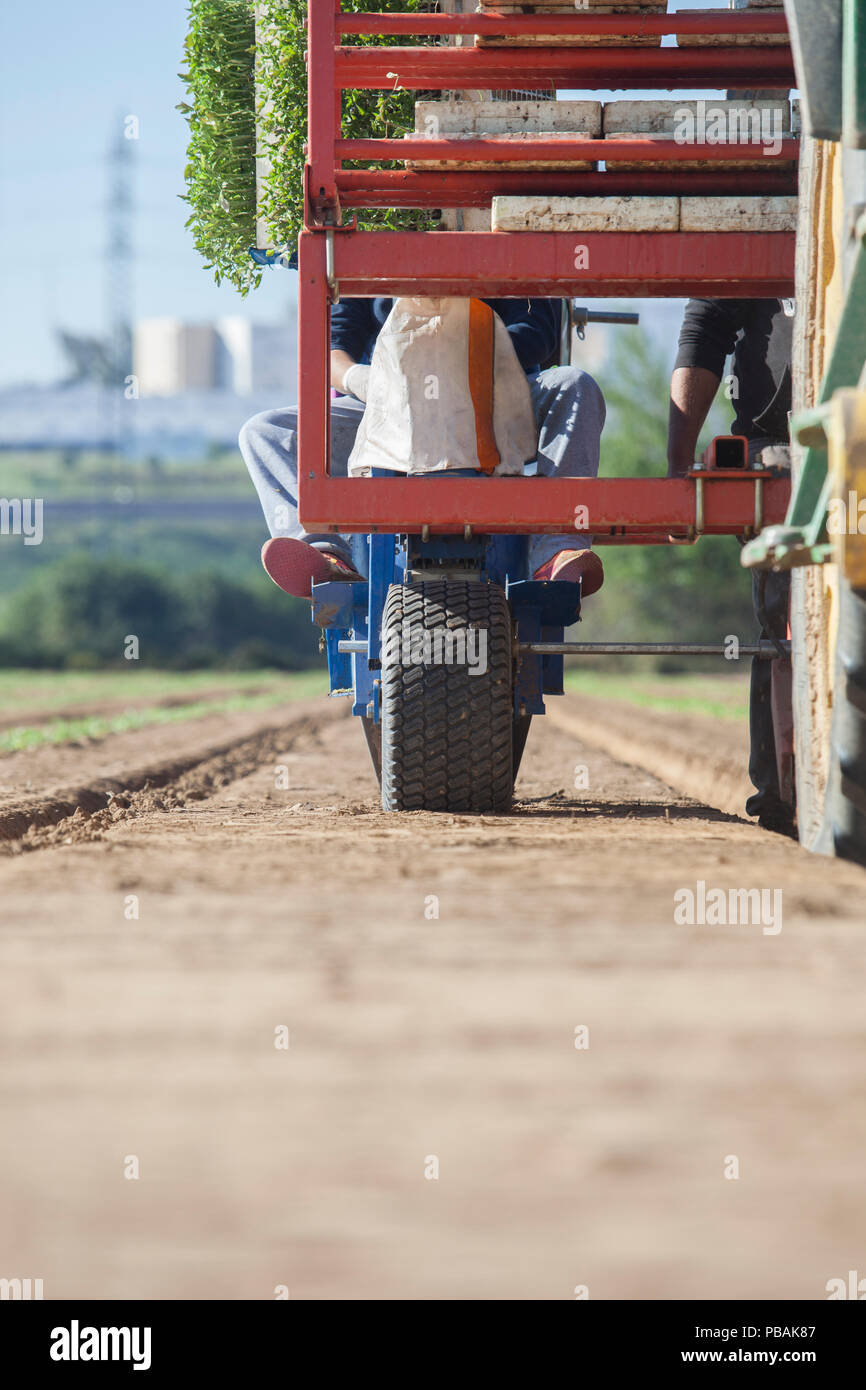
<point x="445" y="391"/>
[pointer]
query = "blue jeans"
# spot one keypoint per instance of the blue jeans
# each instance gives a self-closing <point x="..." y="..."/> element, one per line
<point x="569" y="411"/>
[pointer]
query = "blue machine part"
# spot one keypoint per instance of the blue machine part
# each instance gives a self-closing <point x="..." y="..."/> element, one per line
<point x="354" y="611"/>
<point x="542" y="612"/>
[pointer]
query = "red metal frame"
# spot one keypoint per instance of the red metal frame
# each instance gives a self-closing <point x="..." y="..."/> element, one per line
<point x="510" y="264"/>
<point x="452" y="188"/>
<point x="506" y="150"/>
<point x="599" y="67"/>
<point x="517" y="25"/>
<point x="637" y="510"/>
<point x="721" y="264"/>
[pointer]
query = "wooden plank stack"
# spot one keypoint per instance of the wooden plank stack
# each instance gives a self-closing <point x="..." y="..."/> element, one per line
<point x="704" y="123"/>
<point x="760" y="122"/>
<point x="636" y="8"/>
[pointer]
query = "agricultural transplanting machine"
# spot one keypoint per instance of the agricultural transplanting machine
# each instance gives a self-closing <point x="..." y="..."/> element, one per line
<point x="445" y="736"/>
<point x="721" y="224"/>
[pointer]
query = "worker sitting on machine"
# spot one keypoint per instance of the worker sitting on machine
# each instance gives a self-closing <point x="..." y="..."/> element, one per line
<point x="420" y="364"/>
<point x="759" y="334"/>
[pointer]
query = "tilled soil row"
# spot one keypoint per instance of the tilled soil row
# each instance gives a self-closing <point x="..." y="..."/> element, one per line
<point x="433" y="976"/>
<point x="704" y="759"/>
<point x="696" y="758"/>
<point x="82" y="813"/>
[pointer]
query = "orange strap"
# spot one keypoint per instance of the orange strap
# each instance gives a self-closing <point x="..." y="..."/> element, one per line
<point x="481" y="342"/>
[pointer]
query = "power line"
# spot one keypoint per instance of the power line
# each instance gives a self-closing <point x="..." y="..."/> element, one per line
<point x="118" y="270"/>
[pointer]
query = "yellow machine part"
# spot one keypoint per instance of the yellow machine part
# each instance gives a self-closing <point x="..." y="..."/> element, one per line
<point x="825" y="298"/>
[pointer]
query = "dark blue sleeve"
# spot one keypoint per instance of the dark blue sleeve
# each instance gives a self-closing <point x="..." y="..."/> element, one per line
<point x="534" y="325"/>
<point x="353" y="327"/>
<point x="709" y="332"/>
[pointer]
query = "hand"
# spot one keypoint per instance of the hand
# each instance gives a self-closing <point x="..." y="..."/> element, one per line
<point x="356" y="380"/>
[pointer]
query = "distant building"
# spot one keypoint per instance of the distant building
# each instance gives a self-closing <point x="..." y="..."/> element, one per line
<point x="171" y="357"/>
<point x="259" y="357"/>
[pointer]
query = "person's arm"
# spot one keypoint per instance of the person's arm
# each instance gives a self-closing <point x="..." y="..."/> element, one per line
<point x="349" y="376"/>
<point x="353" y="326"/>
<point x="693" y="390"/>
<point x="708" y="335"/>
<point x="340" y="364"/>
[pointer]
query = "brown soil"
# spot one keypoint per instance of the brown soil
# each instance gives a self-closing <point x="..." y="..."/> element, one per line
<point x="413" y="1035"/>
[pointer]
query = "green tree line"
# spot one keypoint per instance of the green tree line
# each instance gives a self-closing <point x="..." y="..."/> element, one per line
<point x="78" y="613"/>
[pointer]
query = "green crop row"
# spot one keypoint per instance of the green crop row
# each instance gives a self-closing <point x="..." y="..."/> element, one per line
<point x="246" y="98"/>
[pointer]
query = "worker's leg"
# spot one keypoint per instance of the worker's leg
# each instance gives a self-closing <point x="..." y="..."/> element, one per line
<point x="269" y="445"/>
<point x="770" y="600"/>
<point x="767" y="803"/>
<point x="569" y="411"/>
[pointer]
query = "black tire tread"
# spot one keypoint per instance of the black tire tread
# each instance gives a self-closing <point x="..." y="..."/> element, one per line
<point x="446" y="734"/>
<point x="846" y="799"/>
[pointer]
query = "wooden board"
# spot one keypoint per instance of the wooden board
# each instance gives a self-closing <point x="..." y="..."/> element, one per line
<point x="624" y="214"/>
<point x="569" y="6"/>
<point x="654" y="117"/>
<point x="455" y="117"/>
<point x="661" y="120"/>
<point x="635" y="7"/>
<point x="524" y="120"/>
<point x="738" y="214"/>
<point x="728" y="40"/>
<point x="644" y="214"/>
<point x="517" y="137"/>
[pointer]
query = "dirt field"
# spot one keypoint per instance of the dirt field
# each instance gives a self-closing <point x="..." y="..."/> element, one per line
<point x="416" y="1038"/>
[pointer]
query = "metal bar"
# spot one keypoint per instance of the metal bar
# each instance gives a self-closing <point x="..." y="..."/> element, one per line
<point x="314" y="347"/>
<point x="566" y="332"/>
<point x="765" y="650"/>
<point x="505" y="149"/>
<point x="533" y="506"/>
<point x="380" y="576"/>
<point x="429" y="68"/>
<point x="592" y="316"/>
<point x="613" y="264"/>
<point x="411" y="188"/>
<point x="518" y="25"/>
<point x="323" y="126"/>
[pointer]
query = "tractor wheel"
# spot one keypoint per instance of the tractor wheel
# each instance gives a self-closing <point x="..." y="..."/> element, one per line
<point x="846" y="800"/>
<point x="832" y="805"/>
<point x="828" y="616"/>
<point x="830" y="727"/>
<point x="446" y="698"/>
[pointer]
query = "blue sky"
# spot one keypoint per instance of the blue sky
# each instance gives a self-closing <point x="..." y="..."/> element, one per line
<point x="69" y="73"/>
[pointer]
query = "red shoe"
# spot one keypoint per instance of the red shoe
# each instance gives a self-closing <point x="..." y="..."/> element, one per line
<point x="295" y="566"/>
<point x="573" y="566"/>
